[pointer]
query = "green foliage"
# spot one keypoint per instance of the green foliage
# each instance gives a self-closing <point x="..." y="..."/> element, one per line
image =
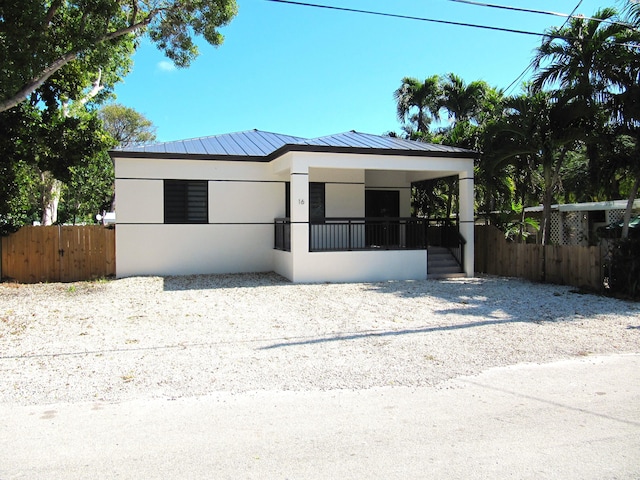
<point x="126" y="126"/>
<point x="89" y="190"/>
<point x="40" y="38"/>
<point x="64" y="57"/>
<point x="624" y="268"/>
<point x="34" y="141"/>
<point x="514" y="224"/>
<point x="572" y="135"/>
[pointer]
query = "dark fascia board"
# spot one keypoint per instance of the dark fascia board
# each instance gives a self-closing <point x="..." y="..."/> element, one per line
<point x="187" y="156"/>
<point x="295" y="148"/>
<point x="370" y="151"/>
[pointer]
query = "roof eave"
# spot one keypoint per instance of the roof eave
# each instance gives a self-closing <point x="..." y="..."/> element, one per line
<point x="296" y="148"/>
<point x="370" y="151"/>
<point x="187" y="156"/>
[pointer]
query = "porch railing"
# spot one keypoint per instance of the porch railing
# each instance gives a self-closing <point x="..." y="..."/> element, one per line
<point x="340" y="234"/>
<point x="385" y="233"/>
<point x="457" y="248"/>
<point x="282" y="232"/>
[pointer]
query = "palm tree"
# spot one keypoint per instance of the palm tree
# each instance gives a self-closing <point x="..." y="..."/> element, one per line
<point x="418" y="103"/>
<point x="463" y="102"/>
<point x="624" y="100"/>
<point x="539" y="128"/>
<point x="577" y="60"/>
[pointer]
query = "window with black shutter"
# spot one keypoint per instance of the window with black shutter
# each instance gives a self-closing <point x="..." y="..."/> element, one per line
<point x="316" y="201"/>
<point x="186" y="201"/>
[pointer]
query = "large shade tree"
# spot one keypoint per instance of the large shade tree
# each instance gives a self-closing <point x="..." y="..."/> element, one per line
<point x="61" y="58"/>
<point x="40" y="37"/>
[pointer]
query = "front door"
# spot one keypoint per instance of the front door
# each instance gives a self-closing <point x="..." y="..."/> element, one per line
<point x="378" y="206"/>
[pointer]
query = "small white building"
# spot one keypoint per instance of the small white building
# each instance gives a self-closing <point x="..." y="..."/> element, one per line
<point x="577" y="223"/>
<point x="329" y="209"/>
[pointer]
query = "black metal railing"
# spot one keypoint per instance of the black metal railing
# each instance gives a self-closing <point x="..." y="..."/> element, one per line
<point x="457" y="250"/>
<point x="384" y="233"/>
<point x="282" y="232"/>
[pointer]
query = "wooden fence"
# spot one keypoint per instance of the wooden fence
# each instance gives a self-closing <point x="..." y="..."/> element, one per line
<point x="58" y="254"/>
<point x="563" y="264"/>
<point x="68" y="254"/>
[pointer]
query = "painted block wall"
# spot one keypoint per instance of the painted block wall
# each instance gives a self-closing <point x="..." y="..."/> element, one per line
<point x="139" y="201"/>
<point x="238" y="237"/>
<point x="193" y="249"/>
<point x="362" y="266"/>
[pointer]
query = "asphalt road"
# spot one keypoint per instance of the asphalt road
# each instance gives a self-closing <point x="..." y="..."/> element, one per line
<point x="575" y="419"/>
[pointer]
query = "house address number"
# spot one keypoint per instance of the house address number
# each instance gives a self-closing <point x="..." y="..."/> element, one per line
<point x="300" y="201"/>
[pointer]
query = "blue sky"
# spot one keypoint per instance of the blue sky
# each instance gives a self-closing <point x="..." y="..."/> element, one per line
<point x="313" y="72"/>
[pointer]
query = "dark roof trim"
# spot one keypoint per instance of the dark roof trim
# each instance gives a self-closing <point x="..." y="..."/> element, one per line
<point x="295" y="148"/>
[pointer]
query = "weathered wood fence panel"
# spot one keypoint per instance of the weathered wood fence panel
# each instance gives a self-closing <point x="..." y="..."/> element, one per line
<point x="59" y="254"/>
<point x="563" y="264"/>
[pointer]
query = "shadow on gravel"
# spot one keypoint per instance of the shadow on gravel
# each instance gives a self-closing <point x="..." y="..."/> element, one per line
<point x="212" y="282"/>
<point x="515" y="299"/>
<point x="385" y="333"/>
<point x="488" y="301"/>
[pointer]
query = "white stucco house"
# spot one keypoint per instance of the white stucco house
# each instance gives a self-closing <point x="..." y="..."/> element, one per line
<point x="328" y="209"/>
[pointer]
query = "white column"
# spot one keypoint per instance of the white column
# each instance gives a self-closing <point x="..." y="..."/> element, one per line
<point x="467" y="219"/>
<point x="299" y="218"/>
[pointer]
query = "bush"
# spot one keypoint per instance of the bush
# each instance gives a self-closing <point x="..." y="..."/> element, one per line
<point x="624" y="268"/>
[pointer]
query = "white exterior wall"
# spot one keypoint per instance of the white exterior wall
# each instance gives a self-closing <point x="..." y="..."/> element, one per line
<point x="361" y="266"/>
<point x="244" y="199"/>
<point x="139" y="201"/>
<point x="193" y="249"/>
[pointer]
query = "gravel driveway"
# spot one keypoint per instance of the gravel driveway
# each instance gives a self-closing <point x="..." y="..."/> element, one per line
<point x="186" y="336"/>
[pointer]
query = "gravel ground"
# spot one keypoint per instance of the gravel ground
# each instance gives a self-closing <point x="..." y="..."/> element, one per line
<point x="186" y="336"/>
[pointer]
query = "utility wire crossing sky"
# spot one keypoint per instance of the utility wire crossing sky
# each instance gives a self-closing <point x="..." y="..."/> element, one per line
<point x="309" y="70"/>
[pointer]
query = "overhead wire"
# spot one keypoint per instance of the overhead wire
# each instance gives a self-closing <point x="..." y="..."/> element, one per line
<point x="423" y="19"/>
<point x="530" y="66"/>
<point x="460" y="24"/>
<point x="409" y="17"/>
<point x="543" y="12"/>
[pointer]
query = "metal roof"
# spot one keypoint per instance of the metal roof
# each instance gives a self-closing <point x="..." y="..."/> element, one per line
<point x="257" y="145"/>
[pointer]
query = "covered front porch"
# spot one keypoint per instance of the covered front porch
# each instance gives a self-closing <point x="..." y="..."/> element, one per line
<point x="348" y="217"/>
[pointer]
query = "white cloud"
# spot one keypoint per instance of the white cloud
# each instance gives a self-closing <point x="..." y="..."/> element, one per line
<point x="166" y="66"/>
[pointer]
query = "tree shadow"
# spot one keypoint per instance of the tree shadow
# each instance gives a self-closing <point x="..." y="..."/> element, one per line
<point x="383" y="333"/>
<point x="486" y="301"/>
<point x="213" y="282"/>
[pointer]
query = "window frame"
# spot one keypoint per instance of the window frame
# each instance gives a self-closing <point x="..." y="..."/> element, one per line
<point x="317" y="201"/>
<point x="181" y="198"/>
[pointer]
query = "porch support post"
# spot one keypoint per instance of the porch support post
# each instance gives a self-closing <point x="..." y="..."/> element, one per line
<point x="299" y="212"/>
<point x="467" y="218"/>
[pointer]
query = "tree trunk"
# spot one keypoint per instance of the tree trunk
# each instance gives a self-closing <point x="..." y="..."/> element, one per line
<point x="50" y="190"/>
<point x="627" y="212"/>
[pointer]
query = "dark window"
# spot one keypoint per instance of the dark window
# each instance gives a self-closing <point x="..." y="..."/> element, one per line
<point x="316" y="201"/>
<point x="287" y="199"/>
<point x="186" y="201"/>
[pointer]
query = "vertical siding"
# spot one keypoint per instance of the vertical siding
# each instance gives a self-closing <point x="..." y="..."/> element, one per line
<point x="563" y="264"/>
<point x="58" y="254"/>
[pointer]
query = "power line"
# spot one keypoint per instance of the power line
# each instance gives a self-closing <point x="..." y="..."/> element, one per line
<point x="515" y="9"/>
<point x="433" y="20"/>
<point x="543" y="12"/>
<point x="408" y="17"/>
<point x="530" y="66"/>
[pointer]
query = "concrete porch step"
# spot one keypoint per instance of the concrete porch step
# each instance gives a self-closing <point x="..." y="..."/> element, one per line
<point x="442" y="264"/>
